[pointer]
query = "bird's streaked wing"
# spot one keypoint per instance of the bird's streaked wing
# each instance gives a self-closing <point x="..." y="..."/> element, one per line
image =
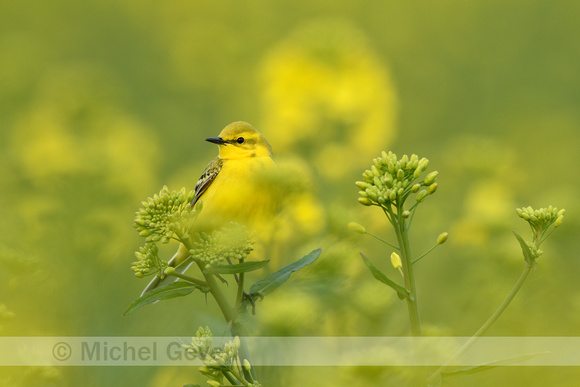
<point x="207" y="177"/>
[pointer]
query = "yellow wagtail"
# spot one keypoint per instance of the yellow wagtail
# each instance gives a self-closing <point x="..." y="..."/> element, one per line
<point x="231" y="187"/>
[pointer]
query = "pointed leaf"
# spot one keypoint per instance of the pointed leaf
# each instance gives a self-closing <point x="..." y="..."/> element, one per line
<point x="176" y="289"/>
<point x="528" y="256"/>
<point x="238" y="267"/>
<point x="379" y="275"/>
<point x="272" y="281"/>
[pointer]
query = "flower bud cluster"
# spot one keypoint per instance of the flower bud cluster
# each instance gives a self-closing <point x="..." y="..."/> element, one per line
<point x="162" y="214"/>
<point x="202" y="348"/>
<point x="230" y="242"/>
<point x="540" y="220"/>
<point x="201" y="344"/>
<point x="390" y="181"/>
<point x="148" y="261"/>
<point x="534" y="249"/>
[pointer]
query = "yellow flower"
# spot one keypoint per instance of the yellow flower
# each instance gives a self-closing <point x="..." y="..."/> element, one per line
<point x="396" y="260"/>
<point x="327" y="94"/>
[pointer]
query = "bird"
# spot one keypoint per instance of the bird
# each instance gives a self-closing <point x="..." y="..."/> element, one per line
<point x="232" y="188"/>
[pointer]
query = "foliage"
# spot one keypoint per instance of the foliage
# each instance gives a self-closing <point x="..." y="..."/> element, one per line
<point x="103" y="102"/>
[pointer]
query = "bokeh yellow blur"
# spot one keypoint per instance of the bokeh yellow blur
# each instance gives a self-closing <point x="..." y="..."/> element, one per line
<point x="104" y="102"/>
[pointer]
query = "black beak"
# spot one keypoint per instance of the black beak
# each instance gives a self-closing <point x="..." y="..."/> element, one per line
<point x="216" y="140"/>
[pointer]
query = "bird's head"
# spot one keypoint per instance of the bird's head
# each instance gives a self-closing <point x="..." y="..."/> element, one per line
<point x="239" y="140"/>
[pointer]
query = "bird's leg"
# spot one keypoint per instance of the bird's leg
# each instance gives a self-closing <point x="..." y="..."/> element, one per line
<point x="251" y="297"/>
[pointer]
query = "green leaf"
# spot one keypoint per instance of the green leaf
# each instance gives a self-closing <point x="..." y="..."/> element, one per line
<point x="379" y="275"/>
<point x="528" y="256"/>
<point x="238" y="267"/>
<point x="272" y="281"/>
<point x="176" y="289"/>
<point x="496" y="363"/>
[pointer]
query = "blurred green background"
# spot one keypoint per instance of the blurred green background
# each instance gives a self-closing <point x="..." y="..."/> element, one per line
<point x="103" y="102"/>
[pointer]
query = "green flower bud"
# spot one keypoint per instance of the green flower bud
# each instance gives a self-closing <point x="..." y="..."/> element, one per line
<point x="430" y="178"/>
<point x="421" y="196"/>
<point x="247" y="365"/>
<point x="357" y="227"/>
<point x="400" y="175"/>
<point x="169" y="270"/>
<point x="400" y="191"/>
<point x="561" y="212"/>
<point x="415" y="188"/>
<point x="432" y="188"/>
<point x="375" y="171"/>
<point x="365" y="201"/>
<point x="558" y="221"/>
<point x="362" y="185"/>
<point x="442" y="238"/>
<point x="236" y="342"/>
<point x="417" y="173"/>
<point x="145" y="233"/>
<point x="392" y="195"/>
<point x="406" y="213"/>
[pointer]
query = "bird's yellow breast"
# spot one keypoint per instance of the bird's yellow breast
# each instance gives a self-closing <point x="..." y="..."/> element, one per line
<point x="240" y="193"/>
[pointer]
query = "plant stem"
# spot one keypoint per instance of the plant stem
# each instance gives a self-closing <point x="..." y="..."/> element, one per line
<point x="237" y="329"/>
<point x="240" y="293"/>
<point x="218" y="295"/>
<point x="498" y="312"/>
<point x="243" y="352"/>
<point x="190" y="279"/>
<point x="231" y="378"/>
<point x="425" y="253"/>
<point x="409" y="274"/>
<point x="382" y="240"/>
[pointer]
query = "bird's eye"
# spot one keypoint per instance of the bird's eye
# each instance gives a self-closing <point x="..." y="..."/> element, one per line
<point x="240" y="140"/>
